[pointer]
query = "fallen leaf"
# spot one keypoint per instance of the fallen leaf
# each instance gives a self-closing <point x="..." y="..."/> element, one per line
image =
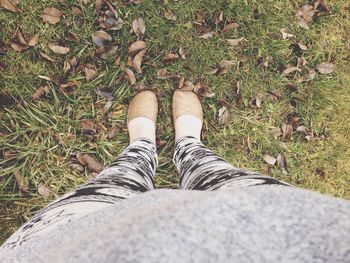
<point x="34" y="40"/>
<point x="59" y="49"/>
<point x="230" y="26"/>
<point x="105" y="92"/>
<point x="282" y="163"/>
<point x="43" y="190"/>
<point x="224" y="115"/>
<point x="92" y="163"/>
<point x="163" y="74"/>
<point x="90" y="73"/>
<point x="219" y="18"/>
<point x="286" y="33"/>
<point x="310" y="76"/>
<point x="289" y="70"/>
<point x="203" y="91"/>
<point x="304" y="16"/>
<point x="99" y="4"/>
<point x="139" y="26"/>
<point x="106" y="52"/>
<point x="40" y="92"/>
<point x="18" y="42"/>
<point x="325" y="68"/>
<point x="302" y="46"/>
<point x="168" y="58"/>
<point x="89" y="126"/>
<point x="113" y="131"/>
<point x="77" y="166"/>
<point x="52" y="15"/>
<point x="301" y="62"/>
<point x="235" y="42"/>
<point x="207" y="35"/>
<point x="138" y="60"/>
<point x="46" y="56"/>
<point x="182" y="53"/>
<point x="136" y="47"/>
<point x="269" y="159"/>
<point x="276" y="132"/>
<point x="101" y="38"/>
<point x="21" y="182"/>
<point x="287" y="130"/>
<point x="70" y="36"/>
<point x="10" y="5"/>
<point x="169" y="15"/>
<point x="223" y="67"/>
<point x="77" y="11"/>
<point x="130" y="76"/>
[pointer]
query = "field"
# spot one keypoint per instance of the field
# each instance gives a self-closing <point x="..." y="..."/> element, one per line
<point x="275" y="94"/>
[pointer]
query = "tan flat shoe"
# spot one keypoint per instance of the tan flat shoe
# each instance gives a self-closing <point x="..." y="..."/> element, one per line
<point x="144" y="104"/>
<point x="186" y="103"/>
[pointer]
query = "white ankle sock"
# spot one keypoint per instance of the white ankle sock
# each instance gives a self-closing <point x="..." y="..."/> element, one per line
<point x="142" y="127"/>
<point x="188" y="125"/>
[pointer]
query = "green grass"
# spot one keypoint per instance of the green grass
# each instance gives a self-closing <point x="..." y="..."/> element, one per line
<point x="45" y="134"/>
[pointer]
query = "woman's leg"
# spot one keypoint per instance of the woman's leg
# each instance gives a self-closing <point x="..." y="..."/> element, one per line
<point x="132" y="173"/>
<point x="200" y="169"/>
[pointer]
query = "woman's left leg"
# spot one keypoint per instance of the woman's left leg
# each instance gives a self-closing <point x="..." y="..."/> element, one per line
<point x="132" y="173"/>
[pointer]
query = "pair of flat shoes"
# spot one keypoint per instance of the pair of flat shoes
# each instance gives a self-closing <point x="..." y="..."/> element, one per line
<point x="145" y="104"/>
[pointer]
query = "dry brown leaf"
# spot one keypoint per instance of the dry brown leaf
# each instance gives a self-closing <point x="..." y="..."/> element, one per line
<point x="235" y="42"/>
<point x="139" y="26"/>
<point x="310" y="76"/>
<point x="207" y="35"/>
<point x="34" y="40"/>
<point x="48" y="58"/>
<point x="10" y="5"/>
<point x="304" y="16"/>
<point x="21" y="182"/>
<point x="136" y="47"/>
<point x="169" y="15"/>
<point x="70" y="36"/>
<point x="168" y="58"/>
<point x="182" y="53"/>
<point x="219" y="18"/>
<point x="231" y="26"/>
<point x="99" y="4"/>
<point x="130" y="76"/>
<point x="282" y="163"/>
<point x="302" y="46"/>
<point x="106" y="52"/>
<point x="101" y="38"/>
<point x="43" y="190"/>
<point x="40" y="92"/>
<point x="89" y="126"/>
<point x="286" y="33"/>
<point x="287" y="130"/>
<point x="105" y="92"/>
<point x="223" y="67"/>
<point x="163" y="74"/>
<point x="77" y="166"/>
<point x="138" y="60"/>
<point x="325" y="68"/>
<point x="18" y="42"/>
<point x="90" y="73"/>
<point x="269" y="159"/>
<point x="113" y="131"/>
<point x="77" y="11"/>
<point x="289" y="70"/>
<point x="301" y="62"/>
<point x="92" y="163"/>
<point x="224" y="115"/>
<point x="181" y="82"/>
<point x="59" y="49"/>
<point x="52" y="15"/>
<point x="203" y="91"/>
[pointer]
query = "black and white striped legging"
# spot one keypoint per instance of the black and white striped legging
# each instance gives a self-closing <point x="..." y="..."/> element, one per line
<point x="133" y="173"/>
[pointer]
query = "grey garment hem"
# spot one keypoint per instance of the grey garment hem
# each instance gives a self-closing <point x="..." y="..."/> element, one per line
<point x="254" y="224"/>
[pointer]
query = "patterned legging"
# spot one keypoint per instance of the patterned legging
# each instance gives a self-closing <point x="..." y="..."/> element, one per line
<point x="133" y="173"/>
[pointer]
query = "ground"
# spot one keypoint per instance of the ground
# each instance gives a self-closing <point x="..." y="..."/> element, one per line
<point x="40" y="138"/>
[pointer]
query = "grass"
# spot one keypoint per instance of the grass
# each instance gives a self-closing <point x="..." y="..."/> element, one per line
<point x="45" y="134"/>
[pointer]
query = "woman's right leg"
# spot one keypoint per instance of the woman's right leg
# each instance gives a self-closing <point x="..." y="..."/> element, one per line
<point x="200" y="169"/>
